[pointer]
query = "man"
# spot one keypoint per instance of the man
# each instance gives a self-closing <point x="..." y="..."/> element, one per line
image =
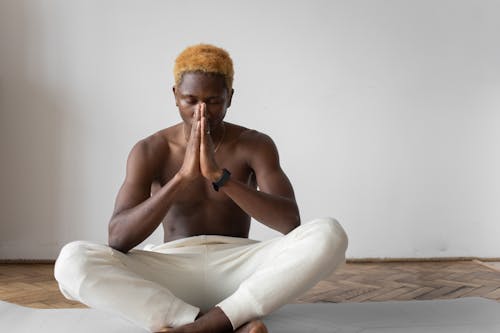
<point x="203" y="180"/>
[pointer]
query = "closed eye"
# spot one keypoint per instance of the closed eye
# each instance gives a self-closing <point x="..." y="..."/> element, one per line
<point x="190" y="100"/>
<point x="214" y="101"/>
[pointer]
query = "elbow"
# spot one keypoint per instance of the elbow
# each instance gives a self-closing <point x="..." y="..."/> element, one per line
<point x="295" y="217"/>
<point x="296" y="221"/>
<point x="293" y="222"/>
<point x="115" y="241"/>
<point x="117" y="245"/>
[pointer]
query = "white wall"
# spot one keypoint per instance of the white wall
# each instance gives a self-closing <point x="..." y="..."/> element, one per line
<point x="386" y="113"/>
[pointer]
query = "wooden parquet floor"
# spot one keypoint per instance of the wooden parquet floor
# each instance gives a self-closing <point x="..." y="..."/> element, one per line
<point x="34" y="285"/>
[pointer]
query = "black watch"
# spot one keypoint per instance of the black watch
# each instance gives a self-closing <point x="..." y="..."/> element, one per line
<point x="222" y="180"/>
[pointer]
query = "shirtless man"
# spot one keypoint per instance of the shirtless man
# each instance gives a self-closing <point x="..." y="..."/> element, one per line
<point x="203" y="180"/>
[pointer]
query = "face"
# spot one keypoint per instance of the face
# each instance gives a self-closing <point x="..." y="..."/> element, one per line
<point x="196" y="88"/>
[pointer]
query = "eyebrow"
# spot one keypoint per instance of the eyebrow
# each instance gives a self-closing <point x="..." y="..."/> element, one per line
<point x="194" y="96"/>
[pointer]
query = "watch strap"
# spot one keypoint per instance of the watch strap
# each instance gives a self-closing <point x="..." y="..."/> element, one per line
<point x="222" y="180"/>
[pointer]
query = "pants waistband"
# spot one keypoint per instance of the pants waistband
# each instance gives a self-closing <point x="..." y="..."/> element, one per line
<point x="200" y="240"/>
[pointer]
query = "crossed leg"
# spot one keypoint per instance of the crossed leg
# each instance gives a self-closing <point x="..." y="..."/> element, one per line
<point x="281" y="270"/>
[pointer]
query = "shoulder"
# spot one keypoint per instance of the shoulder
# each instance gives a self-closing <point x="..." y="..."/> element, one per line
<point x="153" y="149"/>
<point x="148" y="147"/>
<point x="248" y="139"/>
<point x="247" y="136"/>
<point x="257" y="146"/>
<point x="254" y="138"/>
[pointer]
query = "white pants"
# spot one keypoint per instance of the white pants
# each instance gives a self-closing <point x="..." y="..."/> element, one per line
<point x="167" y="285"/>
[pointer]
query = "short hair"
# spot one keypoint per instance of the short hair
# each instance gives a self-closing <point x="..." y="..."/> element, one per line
<point x="204" y="58"/>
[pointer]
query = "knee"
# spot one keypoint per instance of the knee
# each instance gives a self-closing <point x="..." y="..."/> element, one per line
<point x="76" y="258"/>
<point x="329" y="236"/>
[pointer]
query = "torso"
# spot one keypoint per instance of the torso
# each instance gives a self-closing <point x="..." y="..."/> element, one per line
<point x="199" y="209"/>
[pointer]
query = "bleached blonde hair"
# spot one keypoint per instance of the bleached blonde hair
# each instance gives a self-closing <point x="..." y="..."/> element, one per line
<point x="204" y="58"/>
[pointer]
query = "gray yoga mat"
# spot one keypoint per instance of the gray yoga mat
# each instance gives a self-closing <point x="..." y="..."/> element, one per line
<point x="457" y="316"/>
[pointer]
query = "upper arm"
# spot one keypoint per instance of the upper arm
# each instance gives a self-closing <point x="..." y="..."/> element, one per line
<point x="265" y="163"/>
<point x="140" y="173"/>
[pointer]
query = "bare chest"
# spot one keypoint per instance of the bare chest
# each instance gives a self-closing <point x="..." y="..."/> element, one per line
<point x="201" y="190"/>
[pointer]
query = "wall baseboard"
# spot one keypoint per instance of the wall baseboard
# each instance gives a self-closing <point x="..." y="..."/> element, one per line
<point x="382" y="260"/>
<point x="27" y="261"/>
<point x="350" y="261"/>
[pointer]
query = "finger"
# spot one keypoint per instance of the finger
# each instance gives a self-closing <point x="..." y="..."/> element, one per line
<point x="207" y="126"/>
<point x="193" y="123"/>
<point x="200" y="110"/>
<point x="203" y="132"/>
<point x="196" y="119"/>
<point x="196" y="113"/>
<point x="197" y="129"/>
<point x="196" y="135"/>
<point x="203" y="127"/>
<point x="204" y="118"/>
<point x="206" y="140"/>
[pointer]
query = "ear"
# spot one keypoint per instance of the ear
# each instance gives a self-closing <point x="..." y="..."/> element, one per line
<point x="230" y="98"/>
<point x="175" y="95"/>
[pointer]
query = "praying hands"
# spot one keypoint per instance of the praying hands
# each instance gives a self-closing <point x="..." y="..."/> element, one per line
<point x="199" y="158"/>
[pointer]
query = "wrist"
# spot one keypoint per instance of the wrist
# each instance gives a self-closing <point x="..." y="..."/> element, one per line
<point x="222" y="180"/>
<point x="214" y="176"/>
<point x="182" y="178"/>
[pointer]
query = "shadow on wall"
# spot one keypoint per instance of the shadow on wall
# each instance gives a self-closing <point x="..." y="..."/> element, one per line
<point x="30" y="139"/>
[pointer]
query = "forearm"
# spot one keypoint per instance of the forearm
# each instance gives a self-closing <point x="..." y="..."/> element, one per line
<point x="132" y="226"/>
<point x="277" y="212"/>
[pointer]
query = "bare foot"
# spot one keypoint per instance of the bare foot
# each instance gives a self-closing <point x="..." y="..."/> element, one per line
<point x="254" y="326"/>
<point x="170" y="329"/>
<point x="216" y="321"/>
<point x="213" y="321"/>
